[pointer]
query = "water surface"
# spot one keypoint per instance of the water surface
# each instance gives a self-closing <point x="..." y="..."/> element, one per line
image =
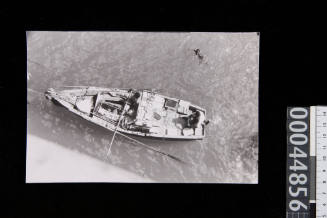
<point x="222" y="77"/>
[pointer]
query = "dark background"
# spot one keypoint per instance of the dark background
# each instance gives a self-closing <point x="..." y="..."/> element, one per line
<point x="290" y="75"/>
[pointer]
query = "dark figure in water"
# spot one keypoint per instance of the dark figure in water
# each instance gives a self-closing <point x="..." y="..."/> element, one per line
<point x="196" y="51"/>
<point x="198" y="54"/>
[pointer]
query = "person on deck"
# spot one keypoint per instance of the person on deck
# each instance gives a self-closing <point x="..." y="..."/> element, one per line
<point x="131" y="109"/>
<point x="133" y="101"/>
<point x="195" y="120"/>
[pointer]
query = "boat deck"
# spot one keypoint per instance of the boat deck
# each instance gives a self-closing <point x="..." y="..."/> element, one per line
<point x="157" y="115"/>
<point x="164" y="116"/>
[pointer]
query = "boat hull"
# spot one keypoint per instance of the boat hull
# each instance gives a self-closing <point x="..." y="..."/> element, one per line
<point x="89" y="103"/>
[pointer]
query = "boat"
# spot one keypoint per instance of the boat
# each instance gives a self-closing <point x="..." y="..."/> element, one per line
<point x="140" y="112"/>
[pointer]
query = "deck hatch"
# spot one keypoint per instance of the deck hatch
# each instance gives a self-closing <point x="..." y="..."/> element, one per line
<point x="171" y="104"/>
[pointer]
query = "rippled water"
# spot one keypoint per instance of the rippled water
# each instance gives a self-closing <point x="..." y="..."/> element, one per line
<point x="222" y="78"/>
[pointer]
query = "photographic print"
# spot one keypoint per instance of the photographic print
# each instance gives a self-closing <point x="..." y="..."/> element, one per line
<point x="142" y="107"/>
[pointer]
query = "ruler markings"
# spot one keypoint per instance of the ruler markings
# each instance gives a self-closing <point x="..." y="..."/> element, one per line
<point x="313" y="158"/>
<point x="321" y="178"/>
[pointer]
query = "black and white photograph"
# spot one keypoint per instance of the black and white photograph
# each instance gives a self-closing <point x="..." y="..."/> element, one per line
<point x="142" y="107"/>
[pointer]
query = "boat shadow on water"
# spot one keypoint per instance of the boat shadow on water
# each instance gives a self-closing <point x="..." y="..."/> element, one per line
<point x="57" y="124"/>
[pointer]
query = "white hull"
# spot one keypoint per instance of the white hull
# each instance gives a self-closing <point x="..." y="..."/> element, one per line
<point x="157" y="116"/>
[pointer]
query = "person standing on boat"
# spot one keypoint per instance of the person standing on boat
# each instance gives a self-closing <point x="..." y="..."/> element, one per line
<point x="133" y="101"/>
<point x="196" y="120"/>
<point x="131" y="109"/>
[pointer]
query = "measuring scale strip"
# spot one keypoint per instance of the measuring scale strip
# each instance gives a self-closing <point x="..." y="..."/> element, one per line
<point x="321" y="160"/>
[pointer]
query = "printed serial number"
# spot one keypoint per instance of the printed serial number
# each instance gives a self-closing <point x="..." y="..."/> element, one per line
<point x="297" y="139"/>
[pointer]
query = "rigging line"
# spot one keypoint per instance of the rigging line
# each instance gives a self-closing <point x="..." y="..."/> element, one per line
<point x="120" y="118"/>
<point x="153" y="149"/>
<point x="145" y="145"/>
<point x="112" y="139"/>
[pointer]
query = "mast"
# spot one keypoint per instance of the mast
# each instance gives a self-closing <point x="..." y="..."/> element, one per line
<point x="120" y="118"/>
